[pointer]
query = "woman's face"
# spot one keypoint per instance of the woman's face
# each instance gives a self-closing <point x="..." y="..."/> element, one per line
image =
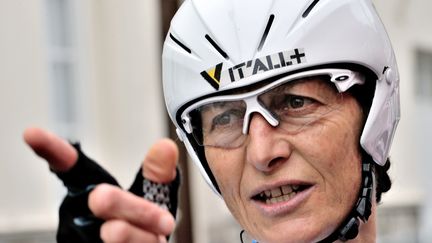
<point x="294" y="186"/>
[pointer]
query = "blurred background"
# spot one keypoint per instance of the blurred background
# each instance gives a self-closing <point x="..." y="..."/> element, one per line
<point x="89" y="70"/>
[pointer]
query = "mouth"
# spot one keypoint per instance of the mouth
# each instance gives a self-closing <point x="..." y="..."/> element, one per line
<point x="280" y="194"/>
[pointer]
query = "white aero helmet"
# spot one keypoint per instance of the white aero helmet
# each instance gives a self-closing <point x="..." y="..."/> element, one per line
<point x="214" y="46"/>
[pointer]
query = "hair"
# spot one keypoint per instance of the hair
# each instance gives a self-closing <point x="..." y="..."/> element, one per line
<point x="383" y="181"/>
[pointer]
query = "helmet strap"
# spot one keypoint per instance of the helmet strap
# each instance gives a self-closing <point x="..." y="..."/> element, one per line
<point x="349" y="228"/>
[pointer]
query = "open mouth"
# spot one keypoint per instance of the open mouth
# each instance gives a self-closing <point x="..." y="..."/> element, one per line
<point x="280" y="194"/>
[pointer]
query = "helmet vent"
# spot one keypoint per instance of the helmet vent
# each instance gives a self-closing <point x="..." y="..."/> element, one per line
<point x="266" y="31"/>
<point x="215" y="45"/>
<point x="309" y="9"/>
<point x="180" y="44"/>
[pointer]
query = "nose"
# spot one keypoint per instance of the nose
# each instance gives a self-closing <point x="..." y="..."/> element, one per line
<point x="267" y="148"/>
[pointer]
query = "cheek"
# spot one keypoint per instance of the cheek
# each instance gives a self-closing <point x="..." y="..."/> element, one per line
<point x="332" y="149"/>
<point x="226" y="166"/>
<point x="337" y="140"/>
<point x="342" y="166"/>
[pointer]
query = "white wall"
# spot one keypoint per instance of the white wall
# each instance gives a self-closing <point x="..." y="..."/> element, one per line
<point x="118" y="97"/>
<point x="27" y="194"/>
<point x="127" y="113"/>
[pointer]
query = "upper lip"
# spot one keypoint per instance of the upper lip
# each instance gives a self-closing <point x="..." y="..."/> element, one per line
<point x="255" y="192"/>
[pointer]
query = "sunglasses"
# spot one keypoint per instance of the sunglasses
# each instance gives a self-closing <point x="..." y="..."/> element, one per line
<point x="291" y="104"/>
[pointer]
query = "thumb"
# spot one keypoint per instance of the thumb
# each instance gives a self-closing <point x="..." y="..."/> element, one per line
<point x="161" y="161"/>
<point x="158" y="180"/>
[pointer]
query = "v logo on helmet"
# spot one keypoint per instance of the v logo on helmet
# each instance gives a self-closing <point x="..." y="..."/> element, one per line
<point x="213" y="75"/>
<point x="217" y="77"/>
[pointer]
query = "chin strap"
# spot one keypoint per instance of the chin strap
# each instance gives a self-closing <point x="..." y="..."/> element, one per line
<point x="349" y="229"/>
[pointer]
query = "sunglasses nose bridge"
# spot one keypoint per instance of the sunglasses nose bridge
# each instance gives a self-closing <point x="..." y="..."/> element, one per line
<point x="252" y="105"/>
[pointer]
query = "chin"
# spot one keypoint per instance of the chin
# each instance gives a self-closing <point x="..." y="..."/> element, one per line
<point x="302" y="232"/>
<point x="291" y="238"/>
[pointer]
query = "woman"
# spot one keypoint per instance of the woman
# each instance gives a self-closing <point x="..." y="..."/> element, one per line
<point x="288" y="108"/>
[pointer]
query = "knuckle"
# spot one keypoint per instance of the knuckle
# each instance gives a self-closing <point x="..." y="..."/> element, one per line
<point x="115" y="231"/>
<point x="102" y="199"/>
<point x="118" y="231"/>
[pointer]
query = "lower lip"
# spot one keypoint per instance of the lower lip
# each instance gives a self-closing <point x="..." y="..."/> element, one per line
<point x="285" y="207"/>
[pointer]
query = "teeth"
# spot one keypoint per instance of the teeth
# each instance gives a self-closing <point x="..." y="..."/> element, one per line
<point x="276" y="192"/>
<point x="287" y="189"/>
<point x="279" y="194"/>
<point x="281" y="198"/>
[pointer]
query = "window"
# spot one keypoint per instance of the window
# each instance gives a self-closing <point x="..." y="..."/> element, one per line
<point x="62" y="64"/>
<point x="424" y="74"/>
<point x="398" y="224"/>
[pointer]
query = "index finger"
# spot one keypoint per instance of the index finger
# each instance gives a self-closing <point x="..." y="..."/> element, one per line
<point x="109" y="202"/>
<point x="60" y="155"/>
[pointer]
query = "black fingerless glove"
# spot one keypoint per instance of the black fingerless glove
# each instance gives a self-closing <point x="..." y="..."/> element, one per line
<point x="165" y="195"/>
<point x="77" y="224"/>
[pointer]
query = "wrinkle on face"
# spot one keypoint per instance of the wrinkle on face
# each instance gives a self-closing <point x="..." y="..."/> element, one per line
<point x="326" y="152"/>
